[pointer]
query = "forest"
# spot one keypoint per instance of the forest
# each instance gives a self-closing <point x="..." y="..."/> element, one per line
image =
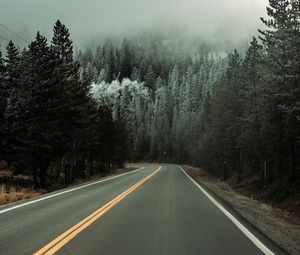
<point x="69" y="114"/>
<point x="51" y="129"/>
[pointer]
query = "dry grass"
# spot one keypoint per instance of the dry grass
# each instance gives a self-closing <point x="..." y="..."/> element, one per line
<point x="100" y="176"/>
<point x="13" y="194"/>
<point x="124" y="170"/>
<point x="196" y="171"/>
<point x="224" y="186"/>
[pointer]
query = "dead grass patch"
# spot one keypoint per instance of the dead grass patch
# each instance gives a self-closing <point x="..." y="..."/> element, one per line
<point x="224" y="186"/>
<point x="13" y="194"/>
<point x="124" y="170"/>
<point x="196" y="171"/>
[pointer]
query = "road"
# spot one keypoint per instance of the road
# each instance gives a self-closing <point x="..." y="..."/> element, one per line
<point x="154" y="210"/>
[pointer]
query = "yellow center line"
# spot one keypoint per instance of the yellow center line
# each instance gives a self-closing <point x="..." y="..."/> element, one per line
<point x="68" y="235"/>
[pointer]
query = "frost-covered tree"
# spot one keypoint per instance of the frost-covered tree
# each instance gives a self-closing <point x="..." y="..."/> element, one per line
<point x="136" y="75"/>
<point x="150" y="79"/>
<point x="175" y="85"/>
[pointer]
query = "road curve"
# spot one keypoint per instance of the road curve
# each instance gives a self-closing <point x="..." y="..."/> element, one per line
<point x="155" y="210"/>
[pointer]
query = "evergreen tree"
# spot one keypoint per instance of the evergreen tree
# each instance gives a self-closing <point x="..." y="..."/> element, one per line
<point x="206" y="116"/>
<point x="143" y="69"/>
<point x="34" y="107"/>
<point x="136" y="75"/>
<point x="12" y="63"/>
<point x="63" y="46"/>
<point x="110" y="66"/>
<point x="150" y="79"/>
<point x="253" y="89"/>
<point x="281" y="40"/>
<point x="3" y="104"/>
<point x="126" y="61"/>
<point x="77" y="104"/>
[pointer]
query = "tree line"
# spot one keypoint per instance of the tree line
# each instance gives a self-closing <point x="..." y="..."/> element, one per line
<point x="156" y="98"/>
<point x="50" y="127"/>
<point x="251" y="121"/>
<point x="237" y="116"/>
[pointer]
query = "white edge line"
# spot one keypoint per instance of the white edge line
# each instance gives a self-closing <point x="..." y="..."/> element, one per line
<point x="252" y="237"/>
<point x="66" y="191"/>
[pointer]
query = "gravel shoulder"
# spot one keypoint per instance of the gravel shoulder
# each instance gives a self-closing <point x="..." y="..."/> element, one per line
<point x="280" y="226"/>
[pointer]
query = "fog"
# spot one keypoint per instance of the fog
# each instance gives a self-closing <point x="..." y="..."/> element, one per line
<point x="87" y="19"/>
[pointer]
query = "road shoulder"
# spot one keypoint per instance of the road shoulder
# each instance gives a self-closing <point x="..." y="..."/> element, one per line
<point x="76" y="185"/>
<point x="266" y="222"/>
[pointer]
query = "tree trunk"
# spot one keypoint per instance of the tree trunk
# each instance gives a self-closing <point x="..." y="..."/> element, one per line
<point x="293" y="170"/>
<point x="43" y="174"/>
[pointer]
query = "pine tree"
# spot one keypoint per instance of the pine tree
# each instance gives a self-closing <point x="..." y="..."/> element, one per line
<point x="3" y="104"/>
<point x="87" y="57"/>
<point x="110" y="65"/>
<point x="206" y="116"/>
<point x="150" y="79"/>
<point x="77" y="102"/>
<point x="126" y="60"/>
<point x="117" y="70"/>
<point x="12" y="63"/>
<point x="92" y="71"/>
<point x="98" y="58"/>
<point x="136" y="75"/>
<point x="63" y="46"/>
<point x="33" y="109"/>
<point x="104" y="149"/>
<point x="226" y="118"/>
<point x="252" y="96"/>
<point x="281" y="40"/>
<point x="175" y="85"/>
<point x="143" y="69"/>
<point x="2" y="77"/>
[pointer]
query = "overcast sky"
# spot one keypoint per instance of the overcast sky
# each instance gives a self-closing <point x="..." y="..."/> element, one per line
<point x="91" y="18"/>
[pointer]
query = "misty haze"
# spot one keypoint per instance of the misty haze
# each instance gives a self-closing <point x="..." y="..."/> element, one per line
<point x="149" y="127"/>
<point x="94" y="19"/>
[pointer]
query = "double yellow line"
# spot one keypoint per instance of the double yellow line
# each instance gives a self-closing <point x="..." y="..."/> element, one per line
<point x="68" y="235"/>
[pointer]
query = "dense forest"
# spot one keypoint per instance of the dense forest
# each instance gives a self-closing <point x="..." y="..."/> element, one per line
<point x="67" y="115"/>
<point x="51" y="128"/>
<point x="235" y="115"/>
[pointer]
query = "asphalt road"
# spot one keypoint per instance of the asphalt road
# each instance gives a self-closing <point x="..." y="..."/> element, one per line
<point x="160" y="211"/>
